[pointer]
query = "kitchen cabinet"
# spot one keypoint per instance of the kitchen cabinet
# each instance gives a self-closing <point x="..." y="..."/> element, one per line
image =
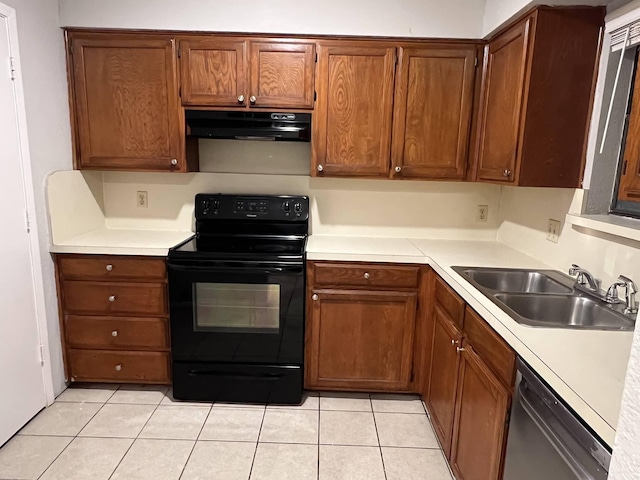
<point x="114" y="318"/>
<point x="360" y="327"/>
<point x="126" y="112"/>
<point x="354" y="110"/>
<point x="629" y="189"/>
<point x="432" y="111"/>
<point x="236" y="72"/>
<point x="537" y="91"/>
<point x="469" y="387"/>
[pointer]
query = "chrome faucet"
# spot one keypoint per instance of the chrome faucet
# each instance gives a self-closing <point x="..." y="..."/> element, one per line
<point x="584" y="278"/>
<point x="630" y="290"/>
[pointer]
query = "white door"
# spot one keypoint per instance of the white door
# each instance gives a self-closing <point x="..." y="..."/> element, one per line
<point x="21" y="372"/>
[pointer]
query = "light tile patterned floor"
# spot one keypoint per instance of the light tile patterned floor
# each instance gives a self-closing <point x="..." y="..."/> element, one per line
<point x="106" y="432"/>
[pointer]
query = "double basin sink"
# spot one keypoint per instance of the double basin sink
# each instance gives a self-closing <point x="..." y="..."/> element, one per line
<point x="546" y="298"/>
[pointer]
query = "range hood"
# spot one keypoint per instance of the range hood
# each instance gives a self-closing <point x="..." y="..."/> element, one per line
<point x="292" y="127"/>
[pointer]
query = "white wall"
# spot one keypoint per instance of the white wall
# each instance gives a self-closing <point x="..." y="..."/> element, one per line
<point x="427" y="18"/>
<point x="45" y="89"/>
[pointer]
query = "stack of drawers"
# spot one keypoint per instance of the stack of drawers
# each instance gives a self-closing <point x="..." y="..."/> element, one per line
<point x="114" y="318"/>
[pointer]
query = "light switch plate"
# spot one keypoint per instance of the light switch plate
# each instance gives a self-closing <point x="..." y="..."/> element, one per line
<point x="553" y="230"/>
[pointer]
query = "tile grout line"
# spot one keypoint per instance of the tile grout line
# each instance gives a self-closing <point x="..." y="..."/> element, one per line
<point x="196" y="442"/>
<point x="375" y="424"/>
<point x="318" y="449"/>
<point x="138" y="435"/>
<point x="74" y="437"/>
<point x="255" y="452"/>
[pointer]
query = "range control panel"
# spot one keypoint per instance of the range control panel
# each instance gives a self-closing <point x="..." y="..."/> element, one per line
<point x="275" y="208"/>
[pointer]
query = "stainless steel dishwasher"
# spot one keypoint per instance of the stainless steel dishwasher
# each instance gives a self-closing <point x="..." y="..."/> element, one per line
<point x="546" y="440"/>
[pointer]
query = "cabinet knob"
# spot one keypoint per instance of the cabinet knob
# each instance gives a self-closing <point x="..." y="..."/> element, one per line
<point x="114" y="333"/>
<point x="174" y="162"/>
<point x="252" y="99"/>
<point x="241" y="99"/>
<point x="506" y="172"/>
<point x="118" y="367"/>
<point x="366" y="275"/>
<point x="454" y="342"/>
<point x="314" y="296"/>
<point x="320" y="168"/>
<point x="460" y="349"/>
<point x="398" y="169"/>
<point x="112" y="298"/>
<point x="109" y="267"/>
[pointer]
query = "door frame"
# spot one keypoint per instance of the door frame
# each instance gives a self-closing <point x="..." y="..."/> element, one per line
<point x="8" y="14"/>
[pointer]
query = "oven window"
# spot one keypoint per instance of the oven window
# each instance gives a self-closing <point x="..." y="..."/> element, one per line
<point x="236" y="307"/>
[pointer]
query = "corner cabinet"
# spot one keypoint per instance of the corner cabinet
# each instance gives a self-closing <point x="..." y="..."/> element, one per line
<point x="360" y="326"/>
<point x="537" y="92"/>
<point x="240" y="73"/>
<point x="126" y="112"/>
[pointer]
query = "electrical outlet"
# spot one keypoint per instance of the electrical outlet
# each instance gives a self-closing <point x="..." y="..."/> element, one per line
<point x="482" y="213"/>
<point x="553" y="230"/>
<point x="142" y="199"/>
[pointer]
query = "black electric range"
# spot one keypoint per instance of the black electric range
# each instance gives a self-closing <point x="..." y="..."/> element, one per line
<point x="236" y="298"/>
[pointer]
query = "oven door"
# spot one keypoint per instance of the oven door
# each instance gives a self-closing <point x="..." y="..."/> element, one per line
<point x="237" y="312"/>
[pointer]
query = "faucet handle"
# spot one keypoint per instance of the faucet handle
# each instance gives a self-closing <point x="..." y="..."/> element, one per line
<point x="574" y="269"/>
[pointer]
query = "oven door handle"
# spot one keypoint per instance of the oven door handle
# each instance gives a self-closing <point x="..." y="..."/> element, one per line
<point x="238" y="269"/>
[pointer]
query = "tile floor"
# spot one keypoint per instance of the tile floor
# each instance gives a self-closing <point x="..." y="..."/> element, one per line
<point x="103" y="432"/>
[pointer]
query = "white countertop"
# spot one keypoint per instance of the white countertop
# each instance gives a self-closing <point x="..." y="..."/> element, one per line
<point x="586" y="368"/>
<point x="112" y="241"/>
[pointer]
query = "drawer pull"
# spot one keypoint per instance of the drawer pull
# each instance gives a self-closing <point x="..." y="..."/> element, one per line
<point x="118" y="367"/>
<point x="460" y="349"/>
<point x="109" y="267"/>
<point x="112" y="298"/>
<point x="314" y="296"/>
<point x="454" y="342"/>
<point x="114" y="333"/>
<point x="366" y="275"/>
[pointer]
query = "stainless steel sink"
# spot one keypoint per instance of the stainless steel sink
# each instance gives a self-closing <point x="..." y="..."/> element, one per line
<point x="509" y="280"/>
<point x="568" y="311"/>
<point x="546" y="298"/>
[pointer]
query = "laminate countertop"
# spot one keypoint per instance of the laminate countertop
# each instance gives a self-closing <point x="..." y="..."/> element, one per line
<point x="586" y="368"/>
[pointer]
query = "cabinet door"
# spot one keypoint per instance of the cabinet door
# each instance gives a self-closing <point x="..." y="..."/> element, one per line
<point x="482" y="409"/>
<point x="213" y="72"/>
<point x="352" y="124"/>
<point x="629" y="190"/>
<point x="282" y="74"/>
<point x="126" y="103"/>
<point x="501" y="104"/>
<point x="445" y="360"/>
<point x="432" y="112"/>
<point x="361" y="340"/>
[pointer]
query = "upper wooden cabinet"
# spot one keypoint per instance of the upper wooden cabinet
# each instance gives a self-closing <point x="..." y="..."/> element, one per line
<point x="629" y="189"/>
<point x="232" y="72"/>
<point x="432" y="111"/>
<point x="126" y="112"/>
<point x="537" y="90"/>
<point x="352" y="120"/>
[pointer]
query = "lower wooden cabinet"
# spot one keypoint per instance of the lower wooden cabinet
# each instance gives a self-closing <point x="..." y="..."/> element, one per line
<point x="360" y="328"/>
<point x="481" y="420"/>
<point x="114" y="318"/>
<point x="445" y="361"/>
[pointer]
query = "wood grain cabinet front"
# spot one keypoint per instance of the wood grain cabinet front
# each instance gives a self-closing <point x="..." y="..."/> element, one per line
<point x="247" y="73"/>
<point x="114" y="318"/>
<point x="361" y="326"/>
<point x="124" y="100"/>
<point x="537" y="92"/>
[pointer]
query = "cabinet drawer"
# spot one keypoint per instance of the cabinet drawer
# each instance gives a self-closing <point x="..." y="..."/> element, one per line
<point x="104" y="298"/>
<point x="391" y="276"/>
<point x="493" y="350"/>
<point x="449" y="301"/>
<point x="117" y="333"/>
<point x="109" y="268"/>
<point x="109" y="366"/>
